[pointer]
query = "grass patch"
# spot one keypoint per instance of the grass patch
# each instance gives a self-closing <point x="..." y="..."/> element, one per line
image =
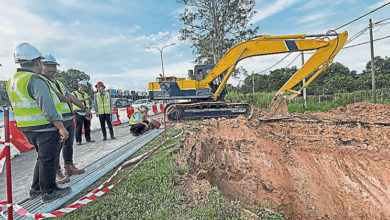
<point x="151" y="192"/>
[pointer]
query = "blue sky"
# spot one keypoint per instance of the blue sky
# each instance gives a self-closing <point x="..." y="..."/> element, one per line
<point x="108" y="39"/>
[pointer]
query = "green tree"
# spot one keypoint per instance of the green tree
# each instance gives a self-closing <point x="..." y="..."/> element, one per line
<point x="214" y="26"/>
<point x="71" y="77"/>
<point x="335" y="78"/>
<point x="381" y="65"/>
<point x="3" y="93"/>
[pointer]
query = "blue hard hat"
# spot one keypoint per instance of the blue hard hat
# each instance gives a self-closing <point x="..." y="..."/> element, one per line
<point x="50" y="59"/>
<point x="83" y="83"/>
<point x="26" y="52"/>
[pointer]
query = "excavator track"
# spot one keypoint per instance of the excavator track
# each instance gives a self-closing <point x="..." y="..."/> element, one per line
<point x="203" y="110"/>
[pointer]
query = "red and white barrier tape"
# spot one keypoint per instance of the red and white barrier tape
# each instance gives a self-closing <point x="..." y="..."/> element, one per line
<point x="2" y="162"/>
<point x="94" y="194"/>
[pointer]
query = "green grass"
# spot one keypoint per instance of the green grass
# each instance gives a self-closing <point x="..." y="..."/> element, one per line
<point x="262" y="100"/>
<point x="151" y="192"/>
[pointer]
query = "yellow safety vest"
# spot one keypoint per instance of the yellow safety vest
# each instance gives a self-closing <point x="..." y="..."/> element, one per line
<point x="103" y="105"/>
<point x="26" y="109"/>
<point x="80" y="96"/>
<point x="65" y="107"/>
<point x="132" y="120"/>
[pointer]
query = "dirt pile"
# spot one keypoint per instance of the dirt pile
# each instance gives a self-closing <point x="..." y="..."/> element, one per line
<point x="312" y="166"/>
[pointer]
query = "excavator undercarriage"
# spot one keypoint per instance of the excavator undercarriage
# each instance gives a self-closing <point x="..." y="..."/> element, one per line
<point x="203" y="110"/>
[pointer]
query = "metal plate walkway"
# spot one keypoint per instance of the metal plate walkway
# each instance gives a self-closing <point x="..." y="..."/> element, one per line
<point x="93" y="172"/>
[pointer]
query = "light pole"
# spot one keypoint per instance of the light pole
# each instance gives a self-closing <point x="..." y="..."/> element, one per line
<point x="161" y="51"/>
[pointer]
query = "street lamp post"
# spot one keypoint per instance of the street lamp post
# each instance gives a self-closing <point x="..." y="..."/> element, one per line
<point x="161" y="55"/>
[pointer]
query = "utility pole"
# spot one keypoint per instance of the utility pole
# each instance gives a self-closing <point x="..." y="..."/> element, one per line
<point x="253" y="83"/>
<point x="372" y="64"/>
<point x="304" y="81"/>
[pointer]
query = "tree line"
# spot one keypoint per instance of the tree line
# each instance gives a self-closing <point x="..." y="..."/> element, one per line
<point x="335" y="79"/>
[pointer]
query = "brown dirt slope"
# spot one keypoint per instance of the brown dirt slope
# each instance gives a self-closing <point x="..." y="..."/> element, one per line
<point x="333" y="165"/>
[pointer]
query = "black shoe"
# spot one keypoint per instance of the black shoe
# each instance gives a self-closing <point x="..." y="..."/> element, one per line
<point x="56" y="194"/>
<point x="90" y="141"/>
<point x="79" y="143"/>
<point x="104" y="139"/>
<point x="34" y="193"/>
<point x="113" y="138"/>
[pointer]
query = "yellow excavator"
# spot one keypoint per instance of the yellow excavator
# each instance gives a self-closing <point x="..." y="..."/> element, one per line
<point x="205" y="89"/>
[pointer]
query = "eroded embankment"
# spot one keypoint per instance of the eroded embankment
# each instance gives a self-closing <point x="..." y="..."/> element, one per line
<point x="314" y="165"/>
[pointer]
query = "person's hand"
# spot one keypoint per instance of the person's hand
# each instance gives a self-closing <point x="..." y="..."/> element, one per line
<point x="89" y="98"/>
<point x="97" y="114"/>
<point x="64" y="134"/>
<point x="88" y="114"/>
<point x="146" y="126"/>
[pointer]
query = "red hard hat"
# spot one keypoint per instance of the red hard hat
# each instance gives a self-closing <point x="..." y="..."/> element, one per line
<point x="100" y="83"/>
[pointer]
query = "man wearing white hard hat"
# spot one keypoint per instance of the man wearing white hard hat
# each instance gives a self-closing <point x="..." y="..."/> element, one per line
<point x="81" y="119"/>
<point x="49" y="71"/>
<point x="37" y="111"/>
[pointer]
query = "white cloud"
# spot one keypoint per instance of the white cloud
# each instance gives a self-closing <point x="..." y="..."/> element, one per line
<point x="315" y="17"/>
<point x="271" y="9"/>
<point x="379" y="4"/>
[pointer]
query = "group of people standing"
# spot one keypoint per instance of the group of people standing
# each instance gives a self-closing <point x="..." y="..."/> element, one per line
<point x="44" y="110"/>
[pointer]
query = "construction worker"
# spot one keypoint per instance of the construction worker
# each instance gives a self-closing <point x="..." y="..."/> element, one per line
<point x="138" y="120"/>
<point x="49" y="70"/>
<point x="81" y="118"/>
<point x="37" y="111"/>
<point x="103" y="109"/>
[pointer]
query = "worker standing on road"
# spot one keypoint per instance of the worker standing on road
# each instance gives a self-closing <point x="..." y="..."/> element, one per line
<point x="81" y="118"/>
<point x="103" y="109"/>
<point x="49" y="71"/>
<point x="138" y="120"/>
<point x="37" y="112"/>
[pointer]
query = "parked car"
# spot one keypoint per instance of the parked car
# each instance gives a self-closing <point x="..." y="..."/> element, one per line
<point x="121" y="102"/>
<point x="139" y="102"/>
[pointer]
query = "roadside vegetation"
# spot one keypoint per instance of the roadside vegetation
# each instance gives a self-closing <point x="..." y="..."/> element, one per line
<point x="315" y="103"/>
<point x="152" y="192"/>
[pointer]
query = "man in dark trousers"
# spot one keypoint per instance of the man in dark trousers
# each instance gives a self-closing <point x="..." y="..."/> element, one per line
<point x="103" y="109"/>
<point x="81" y="119"/>
<point x="49" y="71"/>
<point x="37" y="111"/>
<point x="138" y="120"/>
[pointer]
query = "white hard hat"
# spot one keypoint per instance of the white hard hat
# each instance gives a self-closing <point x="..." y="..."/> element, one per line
<point x="49" y="59"/>
<point x="26" y="52"/>
<point x="83" y="83"/>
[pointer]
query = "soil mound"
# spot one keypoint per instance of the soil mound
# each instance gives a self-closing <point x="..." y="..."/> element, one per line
<point x="332" y="165"/>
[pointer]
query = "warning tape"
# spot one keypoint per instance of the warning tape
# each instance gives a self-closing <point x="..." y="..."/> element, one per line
<point x="2" y="162"/>
<point x="94" y="194"/>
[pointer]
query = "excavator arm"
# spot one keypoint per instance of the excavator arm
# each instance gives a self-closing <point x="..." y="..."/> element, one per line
<point x="265" y="45"/>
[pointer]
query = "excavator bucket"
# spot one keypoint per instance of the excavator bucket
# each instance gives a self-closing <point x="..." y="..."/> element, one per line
<point x="277" y="109"/>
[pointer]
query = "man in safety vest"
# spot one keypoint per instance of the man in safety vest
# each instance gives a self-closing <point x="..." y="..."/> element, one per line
<point x="37" y="111"/>
<point x="49" y="71"/>
<point x="138" y="120"/>
<point x="103" y="109"/>
<point x="81" y="118"/>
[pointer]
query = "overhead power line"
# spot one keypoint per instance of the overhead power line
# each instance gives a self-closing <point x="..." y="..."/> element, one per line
<point x="366" y="42"/>
<point x="381" y="21"/>
<point x="363" y="16"/>
<point x="275" y="63"/>
<point x="299" y="54"/>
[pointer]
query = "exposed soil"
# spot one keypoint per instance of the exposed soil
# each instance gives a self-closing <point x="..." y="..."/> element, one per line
<point x="332" y="165"/>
